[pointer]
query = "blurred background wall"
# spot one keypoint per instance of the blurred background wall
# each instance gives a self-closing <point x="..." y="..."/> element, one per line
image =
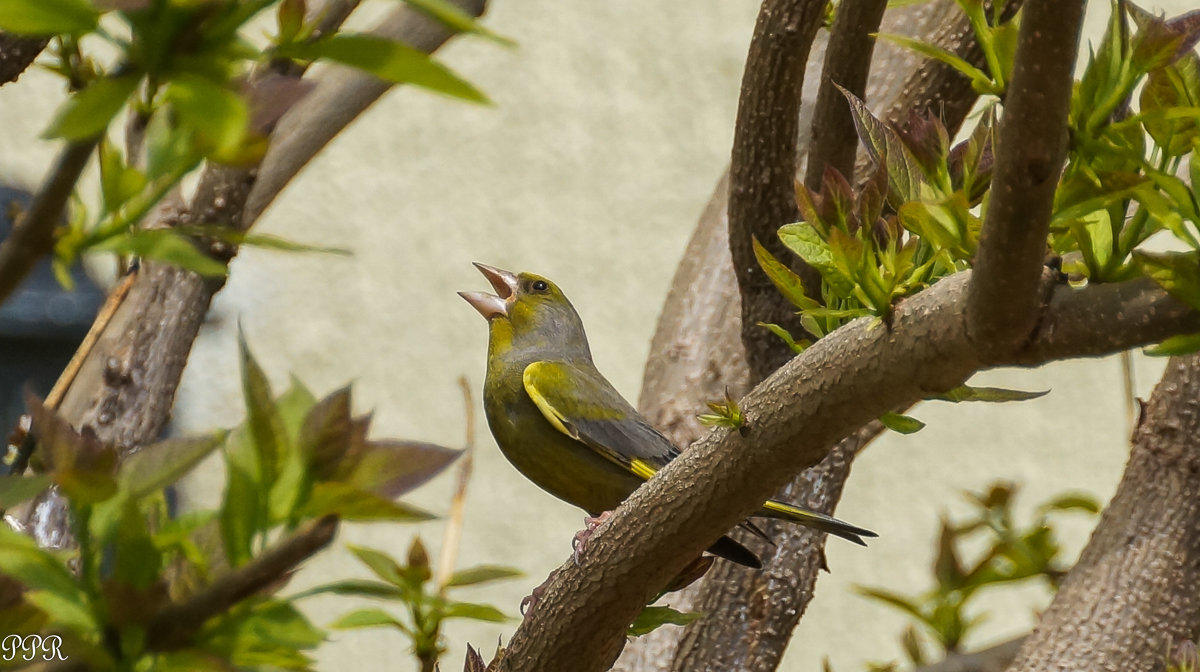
<point x="613" y="121"/>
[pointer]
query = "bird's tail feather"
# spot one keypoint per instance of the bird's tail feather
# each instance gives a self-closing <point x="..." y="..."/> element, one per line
<point x="817" y="521"/>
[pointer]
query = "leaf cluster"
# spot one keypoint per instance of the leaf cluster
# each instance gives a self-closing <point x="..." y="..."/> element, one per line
<point x="1012" y="553"/>
<point x="295" y="460"/>
<point x="411" y="584"/>
<point x="201" y="86"/>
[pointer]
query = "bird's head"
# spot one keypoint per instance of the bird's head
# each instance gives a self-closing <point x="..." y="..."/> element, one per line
<point x="528" y="311"/>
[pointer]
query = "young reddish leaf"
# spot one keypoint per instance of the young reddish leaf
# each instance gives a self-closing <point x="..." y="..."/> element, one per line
<point x="392" y="468"/>
<point x="80" y="463"/>
<point x="905" y="175"/>
<point x="326" y="435"/>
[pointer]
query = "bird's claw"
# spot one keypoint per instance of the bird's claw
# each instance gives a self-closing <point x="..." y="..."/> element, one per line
<point x="579" y="542"/>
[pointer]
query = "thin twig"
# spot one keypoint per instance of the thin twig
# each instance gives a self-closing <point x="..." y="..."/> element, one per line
<point x="454" y="525"/>
<point x="173" y="627"/>
<point x="33" y="236"/>
<point x="847" y="63"/>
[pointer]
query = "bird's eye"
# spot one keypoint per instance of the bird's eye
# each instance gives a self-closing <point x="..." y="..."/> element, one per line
<point x="540" y="286"/>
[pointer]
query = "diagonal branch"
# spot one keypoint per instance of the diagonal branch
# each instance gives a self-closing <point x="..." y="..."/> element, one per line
<point x="33" y="236"/>
<point x="697" y="353"/>
<point x="793" y="418"/>
<point x="1031" y="147"/>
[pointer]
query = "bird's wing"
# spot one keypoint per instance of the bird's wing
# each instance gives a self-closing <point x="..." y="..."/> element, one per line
<point x="580" y="403"/>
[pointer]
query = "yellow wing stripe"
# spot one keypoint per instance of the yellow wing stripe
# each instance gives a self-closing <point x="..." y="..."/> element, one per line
<point x="642" y="469"/>
<point x="552" y="416"/>
<point x="779" y="507"/>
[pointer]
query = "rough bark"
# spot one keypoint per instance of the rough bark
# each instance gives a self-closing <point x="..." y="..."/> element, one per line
<point x="1133" y="594"/>
<point x="697" y="350"/>
<point x="793" y="419"/>
<point x="127" y="383"/>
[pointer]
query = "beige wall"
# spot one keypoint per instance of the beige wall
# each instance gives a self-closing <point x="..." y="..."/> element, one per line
<point x="613" y="122"/>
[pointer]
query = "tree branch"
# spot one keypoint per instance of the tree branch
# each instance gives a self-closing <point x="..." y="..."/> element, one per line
<point x="17" y="53"/>
<point x="126" y="385"/>
<point x="697" y="350"/>
<point x="793" y="418"/>
<point x="33" y="236"/>
<point x="1133" y="594"/>
<point x="1031" y="147"/>
<point x="175" y="625"/>
<point x="834" y="140"/>
<point x="763" y="168"/>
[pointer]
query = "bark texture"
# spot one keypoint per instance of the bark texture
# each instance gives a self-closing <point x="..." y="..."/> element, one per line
<point x="697" y="349"/>
<point x="1135" y="591"/>
<point x="17" y="53"/>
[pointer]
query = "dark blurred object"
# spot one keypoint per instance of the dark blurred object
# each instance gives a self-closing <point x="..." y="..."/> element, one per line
<point x="41" y="324"/>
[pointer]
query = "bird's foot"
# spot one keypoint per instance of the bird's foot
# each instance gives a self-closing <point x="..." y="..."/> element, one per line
<point x="579" y="543"/>
<point x="530" y="601"/>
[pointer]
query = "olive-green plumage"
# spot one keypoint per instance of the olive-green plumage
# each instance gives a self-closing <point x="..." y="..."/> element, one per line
<point x="563" y="425"/>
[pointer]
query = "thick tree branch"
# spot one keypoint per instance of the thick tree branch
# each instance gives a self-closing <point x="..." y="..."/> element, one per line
<point x="834" y="141"/>
<point x="1031" y="147"/>
<point x="697" y="349"/>
<point x="1133" y="594"/>
<point x="33" y="236"/>
<point x="793" y="418"/>
<point x="17" y="53"/>
<point x="763" y="168"/>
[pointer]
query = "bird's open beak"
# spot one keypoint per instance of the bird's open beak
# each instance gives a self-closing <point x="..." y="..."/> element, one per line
<point x="488" y="305"/>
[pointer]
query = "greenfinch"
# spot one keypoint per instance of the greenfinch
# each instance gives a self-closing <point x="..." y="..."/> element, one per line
<point x="564" y="426"/>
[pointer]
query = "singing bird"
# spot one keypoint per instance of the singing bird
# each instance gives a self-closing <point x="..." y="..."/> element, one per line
<point x="564" y="426"/>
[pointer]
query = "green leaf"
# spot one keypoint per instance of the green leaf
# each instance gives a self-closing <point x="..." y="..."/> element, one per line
<point x="17" y="489"/>
<point x="64" y="610"/>
<point x="1071" y="502"/>
<point x="797" y="347"/>
<point x="219" y="116"/>
<point x="788" y="283"/>
<point x="481" y="574"/>
<point x="902" y="424"/>
<point x="356" y="588"/>
<point x="980" y="80"/>
<point x="893" y="599"/>
<point x="48" y="17"/>
<point x="382" y="564"/>
<point x="118" y="182"/>
<point x="264" y="425"/>
<point x="1176" y="272"/>
<point x="804" y="239"/>
<point x="453" y="17"/>
<point x="905" y="175"/>
<point x="474" y="612"/>
<point x="87" y="113"/>
<point x="990" y="394"/>
<point x="156" y="466"/>
<point x="388" y="60"/>
<point x="367" y="618"/>
<point x="1183" y="344"/>
<point x="36" y="568"/>
<point x="170" y="149"/>
<point x="653" y="617"/>
<point x="294" y="405"/>
<point x="163" y="245"/>
<point x="241" y="512"/>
